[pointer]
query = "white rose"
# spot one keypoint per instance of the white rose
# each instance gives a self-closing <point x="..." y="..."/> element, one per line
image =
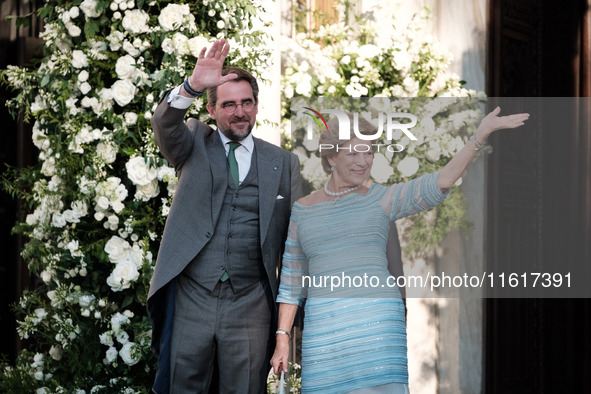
<point x="131" y="49"/>
<point x="127" y="355"/>
<point x="117" y="248"/>
<point x="126" y="67"/>
<point x="113" y="219"/>
<point x="172" y="15"/>
<point x="73" y="30"/>
<point x="408" y="166"/>
<point x="145" y="192"/>
<point x="102" y="202"/>
<point x="74" y="12"/>
<point x="85" y="300"/>
<point x="85" y="87"/>
<point x="123" y="92"/>
<point x="434" y="154"/>
<point x="381" y="170"/>
<point x="139" y="172"/>
<point x="166" y="174"/>
<point x="130" y="118"/>
<point x="167" y="46"/>
<point x="180" y="43"/>
<point x="196" y="44"/>
<point x="79" y="59"/>
<point x="111" y="355"/>
<point x="107" y="151"/>
<point x="122" y="337"/>
<point x="136" y="256"/>
<point x="124" y="273"/>
<point x="71" y="216"/>
<point x="136" y="21"/>
<point x="83" y="76"/>
<point x="89" y="8"/>
<point x="118" y="206"/>
<point x="105" y="94"/>
<point x="106" y="339"/>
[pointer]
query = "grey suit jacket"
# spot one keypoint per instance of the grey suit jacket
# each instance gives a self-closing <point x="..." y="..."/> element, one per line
<point x="198" y="155"/>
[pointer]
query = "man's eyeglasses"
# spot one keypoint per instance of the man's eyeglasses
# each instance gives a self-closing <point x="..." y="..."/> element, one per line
<point x="230" y="108"/>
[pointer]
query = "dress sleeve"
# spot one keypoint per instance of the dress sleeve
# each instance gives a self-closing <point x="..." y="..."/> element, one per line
<point x="406" y="199"/>
<point x="294" y="267"/>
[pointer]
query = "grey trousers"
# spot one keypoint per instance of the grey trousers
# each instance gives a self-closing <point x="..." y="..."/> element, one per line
<point x="232" y="330"/>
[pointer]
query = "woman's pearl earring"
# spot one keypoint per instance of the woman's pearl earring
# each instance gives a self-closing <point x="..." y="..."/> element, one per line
<point x="331" y="168"/>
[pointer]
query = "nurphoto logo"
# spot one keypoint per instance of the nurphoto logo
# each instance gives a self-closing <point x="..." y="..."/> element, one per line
<point x="387" y="122"/>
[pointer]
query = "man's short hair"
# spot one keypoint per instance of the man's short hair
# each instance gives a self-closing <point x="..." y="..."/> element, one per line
<point x="243" y="75"/>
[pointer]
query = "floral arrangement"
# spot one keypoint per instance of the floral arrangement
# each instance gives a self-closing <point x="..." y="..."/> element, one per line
<point x="292" y="380"/>
<point x="99" y="196"/>
<point x="386" y="58"/>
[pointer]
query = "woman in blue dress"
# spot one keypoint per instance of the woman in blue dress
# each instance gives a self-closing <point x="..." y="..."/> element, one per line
<point x="354" y="338"/>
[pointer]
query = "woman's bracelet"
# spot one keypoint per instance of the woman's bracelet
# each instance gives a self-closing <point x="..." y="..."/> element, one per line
<point x="477" y="145"/>
<point x="284" y="332"/>
<point x="190" y="90"/>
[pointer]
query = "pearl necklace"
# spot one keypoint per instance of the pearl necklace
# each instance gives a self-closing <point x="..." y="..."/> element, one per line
<point x="338" y="194"/>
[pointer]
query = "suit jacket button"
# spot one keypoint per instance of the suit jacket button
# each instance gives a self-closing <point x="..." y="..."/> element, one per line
<point x="208" y="235"/>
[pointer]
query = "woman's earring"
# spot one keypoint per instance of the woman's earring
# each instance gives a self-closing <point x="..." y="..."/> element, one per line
<point x="331" y="168"/>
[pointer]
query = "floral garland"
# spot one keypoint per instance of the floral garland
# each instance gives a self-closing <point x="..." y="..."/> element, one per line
<point x="98" y="198"/>
<point x="384" y="57"/>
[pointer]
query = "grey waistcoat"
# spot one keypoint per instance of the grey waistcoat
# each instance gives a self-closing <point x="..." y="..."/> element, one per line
<point x="235" y="245"/>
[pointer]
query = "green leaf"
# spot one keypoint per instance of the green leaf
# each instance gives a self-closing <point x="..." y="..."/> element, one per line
<point x="45" y="80"/>
<point x="91" y="27"/>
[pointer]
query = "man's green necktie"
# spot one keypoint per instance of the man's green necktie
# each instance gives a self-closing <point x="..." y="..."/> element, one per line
<point x="232" y="162"/>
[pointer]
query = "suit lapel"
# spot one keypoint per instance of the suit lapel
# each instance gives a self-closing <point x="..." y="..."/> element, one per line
<point x="269" y="173"/>
<point x="219" y="172"/>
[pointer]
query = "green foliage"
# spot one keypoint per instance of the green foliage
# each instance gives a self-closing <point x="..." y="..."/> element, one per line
<point x="98" y="198"/>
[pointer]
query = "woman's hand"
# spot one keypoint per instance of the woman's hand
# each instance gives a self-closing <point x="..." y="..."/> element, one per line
<point x="281" y="355"/>
<point x="454" y="169"/>
<point x="493" y="122"/>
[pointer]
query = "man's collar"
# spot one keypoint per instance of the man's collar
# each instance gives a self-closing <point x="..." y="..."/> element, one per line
<point x="248" y="142"/>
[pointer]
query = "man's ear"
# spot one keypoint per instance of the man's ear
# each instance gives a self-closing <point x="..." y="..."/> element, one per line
<point x="211" y="111"/>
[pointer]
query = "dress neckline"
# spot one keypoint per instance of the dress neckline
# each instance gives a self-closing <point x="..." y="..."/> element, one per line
<point x="339" y="201"/>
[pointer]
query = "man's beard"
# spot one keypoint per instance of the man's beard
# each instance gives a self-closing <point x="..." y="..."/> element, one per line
<point x="233" y="134"/>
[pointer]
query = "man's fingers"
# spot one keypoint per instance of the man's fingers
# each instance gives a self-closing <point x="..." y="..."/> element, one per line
<point x="228" y="77"/>
<point x="225" y="50"/>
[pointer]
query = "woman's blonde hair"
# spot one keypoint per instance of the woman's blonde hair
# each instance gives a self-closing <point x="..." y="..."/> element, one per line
<point x="330" y="137"/>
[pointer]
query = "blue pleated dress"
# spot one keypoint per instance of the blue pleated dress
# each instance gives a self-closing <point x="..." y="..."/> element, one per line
<point x="354" y="334"/>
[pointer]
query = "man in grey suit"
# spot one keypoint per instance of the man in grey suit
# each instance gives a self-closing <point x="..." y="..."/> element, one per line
<point x="211" y="299"/>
